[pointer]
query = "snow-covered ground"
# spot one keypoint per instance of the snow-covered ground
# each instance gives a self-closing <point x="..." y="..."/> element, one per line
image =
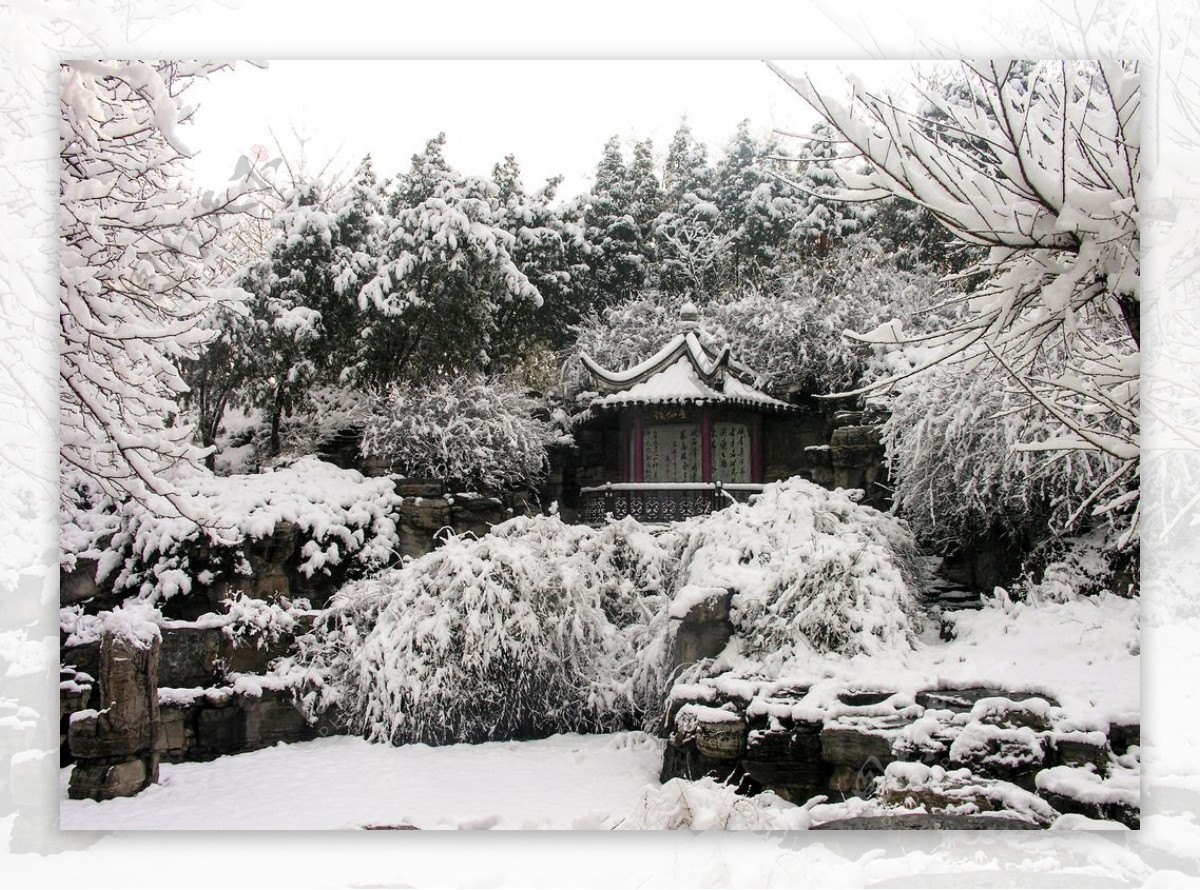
<point x="1083" y="653"/>
<point x="566" y="781"/>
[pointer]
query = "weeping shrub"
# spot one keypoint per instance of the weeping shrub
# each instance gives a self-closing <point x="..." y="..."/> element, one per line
<point x="810" y="568"/>
<point x="540" y="627"/>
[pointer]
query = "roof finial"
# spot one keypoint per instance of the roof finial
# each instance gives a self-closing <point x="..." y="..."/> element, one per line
<point x="689" y="316"/>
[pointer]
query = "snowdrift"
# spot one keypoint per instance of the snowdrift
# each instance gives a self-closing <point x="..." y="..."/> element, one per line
<point x="544" y="627"/>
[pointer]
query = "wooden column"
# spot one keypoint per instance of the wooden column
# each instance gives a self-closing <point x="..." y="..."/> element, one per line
<point x="624" y="447"/>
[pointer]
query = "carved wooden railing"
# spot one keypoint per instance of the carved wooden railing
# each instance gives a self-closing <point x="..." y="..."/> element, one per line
<point x="660" y="501"/>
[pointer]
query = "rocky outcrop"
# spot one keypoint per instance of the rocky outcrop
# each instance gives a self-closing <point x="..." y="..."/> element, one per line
<point x="220" y="721"/>
<point x="700" y="624"/>
<point x="788" y="761"/>
<point x="988" y="746"/>
<point x="190" y="656"/>
<point x="424" y="517"/>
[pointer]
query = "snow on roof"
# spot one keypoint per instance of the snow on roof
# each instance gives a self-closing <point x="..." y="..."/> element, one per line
<point x="682" y="372"/>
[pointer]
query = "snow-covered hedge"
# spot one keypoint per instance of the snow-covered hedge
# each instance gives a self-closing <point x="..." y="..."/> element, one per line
<point x="544" y="627"/>
<point x="343" y="520"/>
<point x="482" y="434"/>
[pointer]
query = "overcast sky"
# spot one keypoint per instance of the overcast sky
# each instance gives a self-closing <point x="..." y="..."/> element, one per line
<point x="555" y="116"/>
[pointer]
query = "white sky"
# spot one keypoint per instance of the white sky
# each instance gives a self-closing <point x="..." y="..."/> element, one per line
<point x="555" y="116"/>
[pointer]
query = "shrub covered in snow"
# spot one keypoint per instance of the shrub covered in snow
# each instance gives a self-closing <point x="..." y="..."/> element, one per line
<point x="87" y="518"/>
<point x="808" y="567"/>
<point x="544" y="627"/>
<point x="262" y="622"/>
<point x="791" y="331"/>
<point x="476" y="433"/>
<point x="343" y="519"/>
<point x="533" y="629"/>
<point x="1063" y="568"/>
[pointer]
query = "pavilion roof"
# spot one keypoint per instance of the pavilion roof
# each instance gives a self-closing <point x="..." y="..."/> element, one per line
<point x="684" y="371"/>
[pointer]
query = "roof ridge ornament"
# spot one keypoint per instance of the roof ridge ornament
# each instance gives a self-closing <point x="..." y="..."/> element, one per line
<point x="689" y="317"/>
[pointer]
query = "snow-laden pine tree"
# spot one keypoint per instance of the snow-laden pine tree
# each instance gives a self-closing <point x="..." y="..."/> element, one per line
<point x="619" y="262"/>
<point x="140" y="267"/>
<point x="693" y="247"/>
<point x="758" y="210"/>
<point x="1038" y="163"/>
<point x="446" y="271"/>
<point x="822" y="219"/>
<point x="550" y="248"/>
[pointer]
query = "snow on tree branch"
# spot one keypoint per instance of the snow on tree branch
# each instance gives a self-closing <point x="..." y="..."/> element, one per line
<point x="1038" y="162"/>
<point x="139" y="259"/>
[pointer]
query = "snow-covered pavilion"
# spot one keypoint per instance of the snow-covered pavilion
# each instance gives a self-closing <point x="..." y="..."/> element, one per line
<point x="689" y="427"/>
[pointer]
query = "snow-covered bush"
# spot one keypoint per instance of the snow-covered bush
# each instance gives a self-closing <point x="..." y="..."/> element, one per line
<point x="808" y="567"/>
<point x="473" y="432"/>
<point x="793" y="332"/>
<point x="87" y="519"/>
<point x="343" y="520"/>
<point x="539" y="627"/>
<point x="1063" y="568"/>
<point x="544" y="627"/>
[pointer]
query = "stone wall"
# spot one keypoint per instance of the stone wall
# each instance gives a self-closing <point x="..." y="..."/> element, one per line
<point x="838" y="449"/>
<point x="195" y="694"/>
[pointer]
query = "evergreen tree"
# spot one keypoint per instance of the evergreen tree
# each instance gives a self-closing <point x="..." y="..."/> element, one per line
<point x="550" y="249"/>
<point x="446" y="271"/>
<point x="305" y="317"/>
<point x="822" y="220"/>
<point x="758" y="210"/>
<point x="693" y="244"/>
<point x="686" y="170"/>
<point x="646" y="199"/>
<point x="619" y="266"/>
